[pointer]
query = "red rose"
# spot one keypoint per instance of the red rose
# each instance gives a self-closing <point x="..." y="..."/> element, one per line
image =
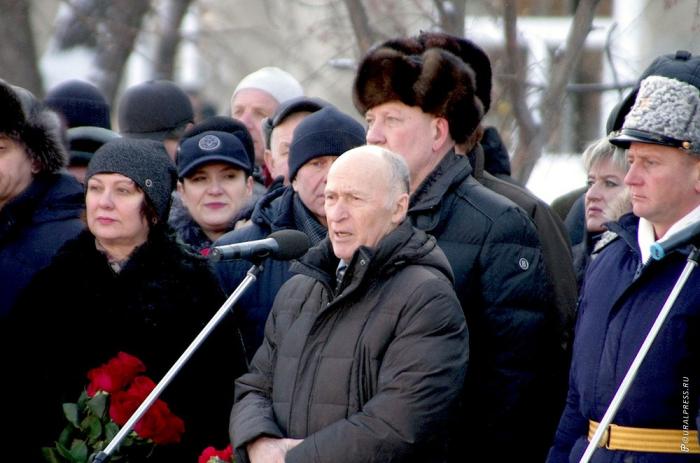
<point x="123" y="404"/>
<point x="227" y="453"/>
<point x="160" y="425"/>
<point x="115" y="374"/>
<point x="211" y="452"/>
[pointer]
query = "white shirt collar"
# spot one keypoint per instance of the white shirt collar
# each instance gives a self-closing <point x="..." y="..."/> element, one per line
<point x="646" y="237"/>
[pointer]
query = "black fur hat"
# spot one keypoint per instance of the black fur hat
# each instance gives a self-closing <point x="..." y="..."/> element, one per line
<point x="433" y="79"/>
<point x="25" y="119"/>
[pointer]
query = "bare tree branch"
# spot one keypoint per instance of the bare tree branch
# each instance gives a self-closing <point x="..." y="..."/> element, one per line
<point x="515" y="66"/>
<point x="533" y="138"/>
<point x="79" y="27"/>
<point x="115" y="42"/>
<point x="565" y="61"/>
<point x="18" y="56"/>
<point x="171" y="19"/>
<point x="451" y="15"/>
<point x="364" y="33"/>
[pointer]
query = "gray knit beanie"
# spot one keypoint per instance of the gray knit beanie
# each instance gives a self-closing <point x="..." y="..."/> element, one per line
<point x="327" y="132"/>
<point x="145" y="162"/>
<point x="665" y="112"/>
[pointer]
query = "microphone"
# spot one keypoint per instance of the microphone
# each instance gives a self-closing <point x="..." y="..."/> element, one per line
<point x="689" y="235"/>
<point x="280" y="245"/>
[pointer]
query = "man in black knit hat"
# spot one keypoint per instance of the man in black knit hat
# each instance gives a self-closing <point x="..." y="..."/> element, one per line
<point x="80" y="104"/>
<point x="156" y="110"/>
<point x="318" y="140"/>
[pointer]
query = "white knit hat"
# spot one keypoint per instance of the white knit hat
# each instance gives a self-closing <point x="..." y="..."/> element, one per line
<point x="273" y="80"/>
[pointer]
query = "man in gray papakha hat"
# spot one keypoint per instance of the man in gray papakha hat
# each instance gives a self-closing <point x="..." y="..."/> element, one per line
<point x="625" y="289"/>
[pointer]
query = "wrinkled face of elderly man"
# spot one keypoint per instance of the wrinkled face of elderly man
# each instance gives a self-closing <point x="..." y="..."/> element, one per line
<point x="366" y="197"/>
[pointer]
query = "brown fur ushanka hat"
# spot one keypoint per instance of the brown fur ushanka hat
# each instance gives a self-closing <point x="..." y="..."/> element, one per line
<point x="433" y="79"/>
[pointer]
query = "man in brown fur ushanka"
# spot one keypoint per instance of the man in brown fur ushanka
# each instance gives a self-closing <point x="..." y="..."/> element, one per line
<point x="419" y="101"/>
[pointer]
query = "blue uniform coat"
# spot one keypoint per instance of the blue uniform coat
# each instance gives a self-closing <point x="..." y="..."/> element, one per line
<point x="620" y="301"/>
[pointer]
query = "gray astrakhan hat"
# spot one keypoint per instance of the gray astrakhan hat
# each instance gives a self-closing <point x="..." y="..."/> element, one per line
<point x="666" y="112"/>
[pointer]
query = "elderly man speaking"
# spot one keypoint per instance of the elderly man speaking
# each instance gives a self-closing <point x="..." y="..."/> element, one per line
<point x="366" y="346"/>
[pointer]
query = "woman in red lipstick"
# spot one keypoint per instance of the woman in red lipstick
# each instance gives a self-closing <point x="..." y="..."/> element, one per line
<point x="215" y="184"/>
<point x="124" y="284"/>
<point x="606" y="200"/>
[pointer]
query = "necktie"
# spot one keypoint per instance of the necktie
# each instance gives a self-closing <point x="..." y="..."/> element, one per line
<point x="340" y="273"/>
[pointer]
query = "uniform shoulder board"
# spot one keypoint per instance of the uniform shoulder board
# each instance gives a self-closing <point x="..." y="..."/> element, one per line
<point x="605" y="239"/>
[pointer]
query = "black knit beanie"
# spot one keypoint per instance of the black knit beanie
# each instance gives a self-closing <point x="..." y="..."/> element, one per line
<point x="327" y="132"/>
<point x="145" y="162"/>
<point x="80" y="103"/>
<point x="153" y="110"/>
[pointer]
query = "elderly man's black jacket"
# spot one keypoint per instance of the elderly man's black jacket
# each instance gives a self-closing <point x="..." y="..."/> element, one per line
<point x="368" y="372"/>
<point x="513" y="394"/>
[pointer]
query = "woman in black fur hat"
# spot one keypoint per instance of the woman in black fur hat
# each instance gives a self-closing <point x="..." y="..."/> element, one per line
<point x="124" y="284"/>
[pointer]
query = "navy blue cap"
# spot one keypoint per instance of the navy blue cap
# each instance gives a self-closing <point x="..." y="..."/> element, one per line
<point x="211" y="146"/>
<point x="225" y="124"/>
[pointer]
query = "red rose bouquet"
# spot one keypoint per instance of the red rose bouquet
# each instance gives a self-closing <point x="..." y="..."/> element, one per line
<point x="115" y="391"/>
<point x="211" y="455"/>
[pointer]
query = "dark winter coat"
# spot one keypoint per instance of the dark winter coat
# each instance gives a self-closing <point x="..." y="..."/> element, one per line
<point x="575" y="220"/>
<point x="79" y="313"/>
<point x="619" y="303"/>
<point x="33" y="227"/>
<point x="554" y="240"/>
<point x="496" y="160"/>
<point x="366" y="373"/>
<point x="190" y="232"/>
<point x="510" y="400"/>
<point x="186" y="229"/>
<point x="274" y="212"/>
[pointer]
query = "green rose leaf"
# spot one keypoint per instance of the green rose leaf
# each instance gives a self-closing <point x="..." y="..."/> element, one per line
<point x="111" y="430"/>
<point x="64" y="452"/>
<point x="98" y="405"/>
<point x="83" y="398"/>
<point x="79" y="451"/>
<point x="50" y="455"/>
<point x="92" y="426"/>
<point x="70" y="410"/>
<point x="66" y="435"/>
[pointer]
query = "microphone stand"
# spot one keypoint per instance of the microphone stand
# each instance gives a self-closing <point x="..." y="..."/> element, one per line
<point x="249" y="279"/>
<point x="693" y="261"/>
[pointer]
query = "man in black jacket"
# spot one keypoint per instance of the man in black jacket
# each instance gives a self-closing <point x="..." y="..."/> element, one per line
<point x="366" y="346"/>
<point x="40" y="205"/>
<point x="419" y="102"/>
<point x="318" y="140"/>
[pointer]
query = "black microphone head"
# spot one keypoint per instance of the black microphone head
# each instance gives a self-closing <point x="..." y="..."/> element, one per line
<point x="292" y="244"/>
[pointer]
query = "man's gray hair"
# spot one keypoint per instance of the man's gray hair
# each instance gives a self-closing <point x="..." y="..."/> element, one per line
<point x="399" y="179"/>
<point x="602" y="149"/>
